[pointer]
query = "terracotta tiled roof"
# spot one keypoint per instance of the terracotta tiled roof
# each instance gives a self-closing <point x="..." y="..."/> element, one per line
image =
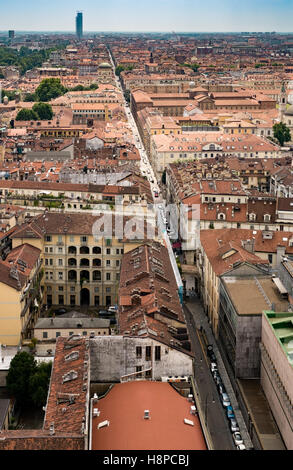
<point x="124" y="408"/>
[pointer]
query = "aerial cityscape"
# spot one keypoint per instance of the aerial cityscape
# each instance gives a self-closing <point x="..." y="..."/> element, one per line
<point x="146" y="229"/>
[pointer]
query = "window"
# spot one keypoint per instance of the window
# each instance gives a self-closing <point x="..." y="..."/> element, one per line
<point x="138" y="352"/>
<point x="138" y="369"/>
<point x="61" y="299"/>
<point x="108" y="276"/>
<point x="83" y="239"/>
<point x="270" y="258"/>
<point x="108" y="290"/>
<point x="48" y="238"/>
<point x="60" y="262"/>
<point x="60" y="288"/>
<point x="157" y="353"/>
<point x="84" y="333"/>
<point x="45" y="334"/>
<point x="108" y="251"/>
<point x="148" y="353"/>
<point x="58" y="334"/>
<point x="108" y="262"/>
<point x="60" y="276"/>
<point x="117" y="263"/>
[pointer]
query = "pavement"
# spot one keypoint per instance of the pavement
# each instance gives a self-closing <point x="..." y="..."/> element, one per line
<point x="214" y="415"/>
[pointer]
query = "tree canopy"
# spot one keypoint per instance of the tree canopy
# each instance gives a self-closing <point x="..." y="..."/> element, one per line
<point x="25" y="59"/>
<point x="49" y="89"/>
<point x="22" y="367"/>
<point x="43" y="110"/>
<point x="27" y="115"/>
<point x="281" y="133"/>
<point x="27" y="381"/>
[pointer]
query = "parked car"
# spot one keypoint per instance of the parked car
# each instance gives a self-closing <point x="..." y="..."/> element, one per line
<point x="60" y="311"/>
<point x="225" y="400"/>
<point x="237" y="438"/>
<point x="104" y="312"/>
<point x="213" y="357"/>
<point x="230" y="412"/>
<point x="241" y="447"/>
<point x="218" y="379"/>
<point x="113" y="321"/>
<point x="113" y="309"/>
<point x="234" y="425"/>
<point x="213" y="367"/>
<point x="221" y="388"/>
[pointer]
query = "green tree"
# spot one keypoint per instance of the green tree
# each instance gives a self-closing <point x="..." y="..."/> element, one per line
<point x="29" y="97"/>
<point x="22" y="367"/>
<point x="43" y="110"/>
<point x="281" y="133"/>
<point x="119" y="69"/>
<point x="39" y="384"/>
<point x="27" y="115"/>
<point x="49" y="89"/>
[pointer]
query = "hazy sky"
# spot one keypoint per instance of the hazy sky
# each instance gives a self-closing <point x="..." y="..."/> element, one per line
<point x="148" y="15"/>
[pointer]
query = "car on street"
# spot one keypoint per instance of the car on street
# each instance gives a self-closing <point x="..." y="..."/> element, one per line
<point x="225" y="400"/>
<point x="213" y="367"/>
<point x="234" y="425"/>
<point x="113" y="309"/>
<point x="217" y="378"/>
<point x="213" y="357"/>
<point x="230" y="412"/>
<point x="241" y="447"/>
<point x="60" y="311"/>
<point x="237" y="438"/>
<point x="104" y="312"/>
<point x="156" y="194"/>
<point x="221" y="388"/>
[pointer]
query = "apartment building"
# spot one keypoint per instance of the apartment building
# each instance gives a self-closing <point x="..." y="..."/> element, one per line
<point x="244" y="294"/>
<point x="276" y="369"/>
<point x="21" y="293"/>
<point x="82" y="254"/>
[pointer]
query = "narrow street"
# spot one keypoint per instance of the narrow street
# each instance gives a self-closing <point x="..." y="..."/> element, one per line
<point x="215" y="417"/>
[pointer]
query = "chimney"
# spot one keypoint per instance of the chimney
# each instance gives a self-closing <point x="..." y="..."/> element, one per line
<point x="248" y="245"/>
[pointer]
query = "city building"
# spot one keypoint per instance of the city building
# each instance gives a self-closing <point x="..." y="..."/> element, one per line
<point x="276" y="369"/>
<point x="79" y="24"/>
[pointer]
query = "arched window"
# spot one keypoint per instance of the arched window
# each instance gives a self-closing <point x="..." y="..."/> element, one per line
<point x="72" y="262"/>
<point x="84" y="250"/>
<point x="72" y="250"/>
<point x="97" y="250"/>
<point x="84" y="262"/>
<point x="97" y="262"/>
<point x="97" y="276"/>
<point x="84" y="275"/>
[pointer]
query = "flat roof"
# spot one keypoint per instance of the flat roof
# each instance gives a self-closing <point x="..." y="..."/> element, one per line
<point x="248" y="298"/>
<point x="282" y="325"/>
<point x="124" y="408"/>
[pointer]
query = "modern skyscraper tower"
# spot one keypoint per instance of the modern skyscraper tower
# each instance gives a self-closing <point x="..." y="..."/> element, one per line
<point x="79" y="25"/>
